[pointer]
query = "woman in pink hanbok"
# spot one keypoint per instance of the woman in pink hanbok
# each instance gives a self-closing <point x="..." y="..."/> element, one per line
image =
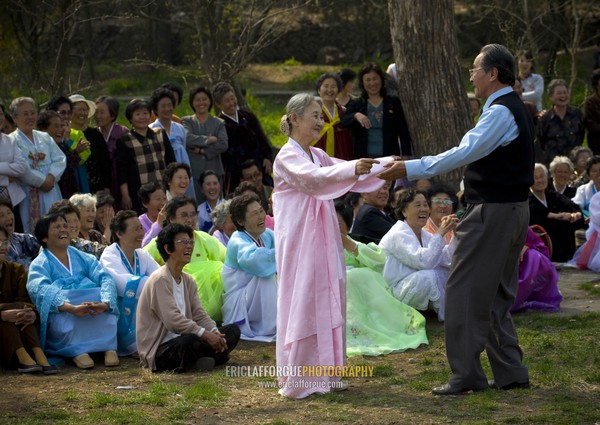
<point x="311" y="300"/>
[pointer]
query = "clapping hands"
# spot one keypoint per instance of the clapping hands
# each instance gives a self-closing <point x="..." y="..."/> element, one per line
<point x="447" y="224"/>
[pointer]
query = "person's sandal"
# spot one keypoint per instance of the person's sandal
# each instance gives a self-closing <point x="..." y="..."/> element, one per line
<point x="83" y="361"/>
<point x="111" y="359"/>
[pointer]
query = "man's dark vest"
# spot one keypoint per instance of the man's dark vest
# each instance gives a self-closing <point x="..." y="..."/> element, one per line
<point x="506" y="174"/>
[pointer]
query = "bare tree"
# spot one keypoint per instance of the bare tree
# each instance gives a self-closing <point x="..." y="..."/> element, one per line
<point x="227" y="36"/>
<point x="43" y="31"/>
<point x="430" y="79"/>
<point x="545" y="27"/>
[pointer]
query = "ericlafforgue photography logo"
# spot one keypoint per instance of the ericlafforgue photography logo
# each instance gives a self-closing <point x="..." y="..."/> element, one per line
<point x="299" y="371"/>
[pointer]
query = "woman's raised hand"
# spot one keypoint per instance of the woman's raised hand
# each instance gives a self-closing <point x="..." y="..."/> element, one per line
<point x="447" y="224"/>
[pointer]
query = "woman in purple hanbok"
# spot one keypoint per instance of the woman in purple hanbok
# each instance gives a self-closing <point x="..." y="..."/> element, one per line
<point x="538" y="280"/>
<point x="311" y="300"/>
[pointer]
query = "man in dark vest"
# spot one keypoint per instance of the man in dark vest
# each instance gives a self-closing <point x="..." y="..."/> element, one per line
<point x="483" y="279"/>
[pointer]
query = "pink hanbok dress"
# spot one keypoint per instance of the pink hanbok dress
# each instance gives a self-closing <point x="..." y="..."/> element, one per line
<point x="311" y="302"/>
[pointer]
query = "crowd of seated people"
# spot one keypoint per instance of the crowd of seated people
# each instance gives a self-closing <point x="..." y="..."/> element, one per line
<point x="83" y="207"/>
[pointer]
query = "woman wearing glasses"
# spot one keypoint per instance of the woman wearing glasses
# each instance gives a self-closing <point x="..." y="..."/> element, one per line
<point x="443" y="202"/>
<point x="417" y="264"/>
<point x="173" y="330"/>
<point x="207" y="258"/>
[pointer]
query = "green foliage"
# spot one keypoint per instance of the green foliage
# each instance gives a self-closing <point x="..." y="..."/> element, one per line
<point x="307" y="81"/>
<point x="120" y="86"/>
<point x="292" y="62"/>
<point x="269" y="112"/>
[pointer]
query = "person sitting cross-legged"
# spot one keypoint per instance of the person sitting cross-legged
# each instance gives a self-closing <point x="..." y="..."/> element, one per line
<point x="207" y="258"/>
<point x="173" y="331"/>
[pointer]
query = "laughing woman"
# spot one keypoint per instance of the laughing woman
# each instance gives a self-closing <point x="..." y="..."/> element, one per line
<point x="207" y="259"/>
<point x="130" y="266"/>
<point x="376" y="322"/>
<point x="335" y="138"/>
<point x="418" y="262"/>
<point x="211" y="188"/>
<point x="163" y="103"/>
<point x="206" y="138"/>
<point x="250" y="298"/>
<point x="376" y="119"/>
<point x="177" y="179"/>
<point x="76" y="299"/>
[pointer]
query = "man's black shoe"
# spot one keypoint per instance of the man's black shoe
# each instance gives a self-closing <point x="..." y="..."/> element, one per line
<point x="450" y="390"/>
<point x="513" y="385"/>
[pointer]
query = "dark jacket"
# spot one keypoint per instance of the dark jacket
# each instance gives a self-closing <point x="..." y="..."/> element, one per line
<point x="394" y="127"/>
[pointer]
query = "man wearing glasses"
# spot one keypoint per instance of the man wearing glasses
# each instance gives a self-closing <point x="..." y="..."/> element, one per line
<point x="484" y="275"/>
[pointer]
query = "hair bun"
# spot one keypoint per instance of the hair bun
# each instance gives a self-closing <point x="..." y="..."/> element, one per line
<point x="284" y="125"/>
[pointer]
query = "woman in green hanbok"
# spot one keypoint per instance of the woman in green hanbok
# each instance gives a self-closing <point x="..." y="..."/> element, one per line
<point x="376" y="322"/>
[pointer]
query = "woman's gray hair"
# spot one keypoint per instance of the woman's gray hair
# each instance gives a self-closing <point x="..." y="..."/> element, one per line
<point x="221" y="89"/>
<point x="16" y="104"/>
<point x="83" y="200"/>
<point x="220" y="213"/>
<point x="297" y="105"/>
<point x="541" y="167"/>
<point x="561" y="160"/>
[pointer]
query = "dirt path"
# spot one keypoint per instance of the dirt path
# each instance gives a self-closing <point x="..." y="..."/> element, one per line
<point x="575" y="300"/>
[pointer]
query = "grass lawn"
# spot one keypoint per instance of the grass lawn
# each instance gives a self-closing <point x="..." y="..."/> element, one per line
<point x="562" y="353"/>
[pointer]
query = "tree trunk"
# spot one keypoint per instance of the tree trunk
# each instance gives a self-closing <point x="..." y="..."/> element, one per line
<point x="430" y="79"/>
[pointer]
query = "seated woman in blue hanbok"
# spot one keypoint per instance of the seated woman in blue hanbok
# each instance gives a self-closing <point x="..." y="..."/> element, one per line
<point x="130" y="266"/>
<point x="417" y="264"/>
<point x="376" y="322"/>
<point x="75" y="298"/>
<point x="250" y="298"/>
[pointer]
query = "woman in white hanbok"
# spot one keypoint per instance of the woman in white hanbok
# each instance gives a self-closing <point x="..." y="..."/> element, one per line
<point x="250" y="298"/>
<point x="417" y="264"/>
<point x="130" y="266"/>
<point x="45" y="163"/>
